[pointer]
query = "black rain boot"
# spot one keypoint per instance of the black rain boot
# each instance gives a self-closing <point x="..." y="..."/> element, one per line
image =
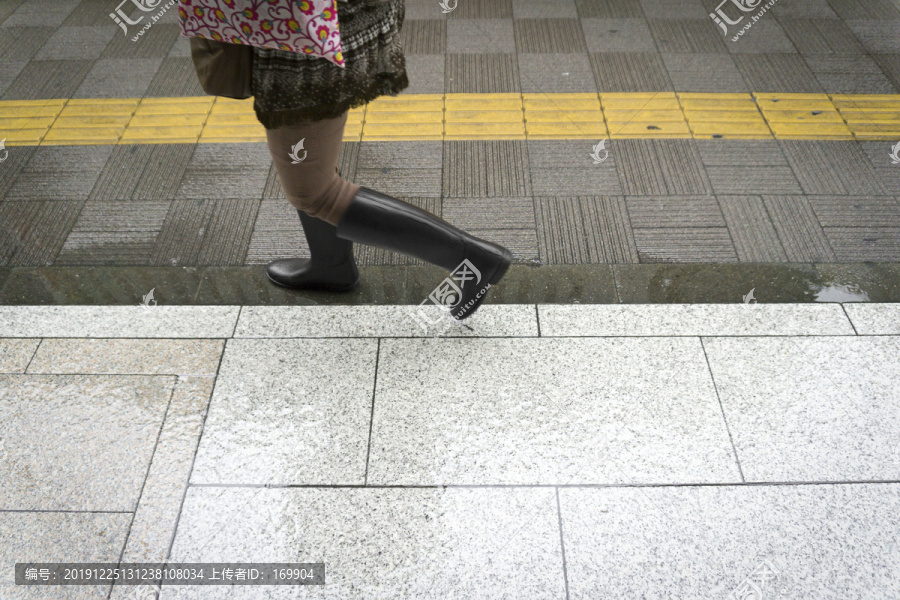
<point x="378" y="220"/>
<point x="330" y="268"/>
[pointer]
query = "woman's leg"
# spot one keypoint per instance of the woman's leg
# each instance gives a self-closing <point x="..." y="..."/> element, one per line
<point x="309" y="175"/>
<point x="313" y="185"/>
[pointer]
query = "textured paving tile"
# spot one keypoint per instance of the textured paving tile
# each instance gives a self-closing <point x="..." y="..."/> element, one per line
<point x="424" y="36"/>
<point x="118" y="78"/>
<point x="577" y="182"/>
<point x="176" y="77"/>
<point x="849" y="75"/>
<point x="114" y="233"/>
<point x="127" y="357"/>
<point x="615" y="433"/>
<point x="584" y="230"/>
<point x="495" y="213"/>
<point x="608" y="9"/>
<point x="687" y="244"/>
<point x="205" y="232"/>
<point x="674" y="9"/>
<point x="686" y="35"/>
<point x="549" y="35"/>
<point x="838" y="211"/>
<point x="163" y="172"/>
<point x="478" y="169"/>
<point x="630" y="72"/>
<point x="387" y="543"/>
<point x="753" y="180"/>
<point x="277" y="233"/>
<point x="540" y="9"/>
<point x="877" y="35"/>
<point x="821" y="36"/>
<point x="49" y="14"/>
<point x="401" y="155"/>
<point x="483" y="9"/>
<point x="17" y="160"/>
<point x="691" y="73"/>
<point x="122" y="172"/>
<point x="829" y="167"/>
<point x="321" y="393"/>
<point x="693" y="319"/>
<point x="804" y="409"/>
<point x="777" y="73"/>
<point x="862" y="244"/>
<point x="874" y="319"/>
<point x="660" y="167"/>
<point x="60" y="173"/>
<point x="75" y="43"/>
<point x="740" y="153"/>
<point x="618" y="35"/>
<point x="890" y="66"/>
<point x="8" y="7"/>
<point x="118" y="321"/>
<point x="423" y="9"/>
<point x="674" y="211"/>
<point x="426" y="74"/>
<point x="800" y="233"/>
<point x="405" y="183"/>
<point x="9" y="70"/>
<point x="480" y="36"/>
<point x="157" y="514"/>
<point x="482" y="73"/>
<point x="92" y="12"/>
<point x="22" y="43"/>
<point x="61" y="537"/>
<point x="866" y="9"/>
<point x="105" y="454"/>
<point x="501" y="320"/>
<point x="556" y="73"/>
<point x="154" y="43"/>
<point x="16" y="354"/>
<point x="46" y="79"/>
<point x="810" y="9"/>
<point x="753" y="234"/>
<point x="713" y="542"/>
<point x="226" y="171"/>
<point x="765" y="37"/>
<point x="34" y="232"/>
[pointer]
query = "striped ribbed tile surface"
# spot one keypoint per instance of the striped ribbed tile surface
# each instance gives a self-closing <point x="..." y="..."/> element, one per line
<point x="754" y="237"/>
<point x="549" y="35"/>
<point x="477" y="169"/>
<point x="48" y="79"/>
<point x="154" y="43"/>
<point x="482" y="73"/>
<point x="831" y="167"/>
<point x="424" y="36"/>
<point x="674" y="211"/>
<point x="798" y="229"/>
<point x="277" y="233"/>
<point x="821" y="36"/>
<point x="685" y="244"/>
<point x="686" y="36"/>
<point x="482" y="9"/>
<point x="32" y="233"/>
<point x="836" y="211"/>
<point x="608" y="9"/>
<point x="175" y="77"/>
<point x="630" y="72"/>
<point x="777" y="73"/>
<point x="585" y="230"/>
<point x="114" y="233"/>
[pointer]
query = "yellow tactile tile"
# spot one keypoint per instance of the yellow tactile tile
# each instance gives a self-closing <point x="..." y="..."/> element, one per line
<point x="399" y="131"/>
<point x="467" y="116"/>
<point x="485" y="131"/>
<point x="566" y="130"/>
<point x="659" y="129"/>
<point x="233" y="133"/>
<point x="24" y="137"/>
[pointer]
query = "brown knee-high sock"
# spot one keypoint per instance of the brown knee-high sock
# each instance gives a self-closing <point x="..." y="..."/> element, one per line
<point x="313" y="184"/>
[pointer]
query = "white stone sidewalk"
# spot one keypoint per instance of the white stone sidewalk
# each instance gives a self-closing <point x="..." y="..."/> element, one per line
<point x="553" y="451"/>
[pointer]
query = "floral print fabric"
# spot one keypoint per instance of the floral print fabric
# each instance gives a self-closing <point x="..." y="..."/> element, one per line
<point x="305" y="26"/>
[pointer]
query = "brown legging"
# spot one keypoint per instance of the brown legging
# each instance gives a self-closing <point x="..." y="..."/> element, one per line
<point x="313" y="185"/>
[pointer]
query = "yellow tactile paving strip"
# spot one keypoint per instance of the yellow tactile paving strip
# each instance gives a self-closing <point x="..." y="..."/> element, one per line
<point x="468" y="117"/>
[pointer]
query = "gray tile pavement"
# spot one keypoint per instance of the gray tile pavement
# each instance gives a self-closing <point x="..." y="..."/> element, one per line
<point x="550" y="448"/>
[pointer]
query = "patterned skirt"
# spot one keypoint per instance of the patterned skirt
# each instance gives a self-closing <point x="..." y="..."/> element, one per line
<point x="291" y="88"/>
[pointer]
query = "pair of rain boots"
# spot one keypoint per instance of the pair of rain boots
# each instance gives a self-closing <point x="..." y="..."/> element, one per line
<point x="379" y="220"/>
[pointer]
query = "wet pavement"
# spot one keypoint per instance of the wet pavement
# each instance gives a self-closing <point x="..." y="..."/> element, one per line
<point x="544" y="451"/>
<point x="685" y="387"/>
